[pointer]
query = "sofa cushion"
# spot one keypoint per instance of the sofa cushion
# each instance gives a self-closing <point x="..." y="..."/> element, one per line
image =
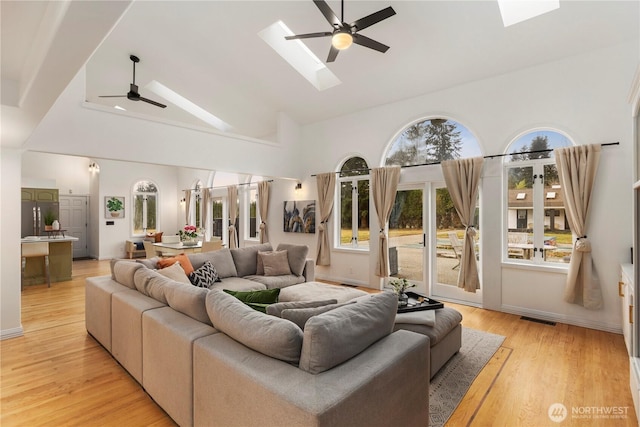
<point x="175" y="272"/>
<point x="277" y="281"/>
<point x="258" y="300"/>
<point x="260" y="264"/>
<point x="123" y="272"/>
<point x="151" y="263"/>
<point x="338" y="335"/>
<point x="189" y="300"/>
<point x="299" y="316"/>
<point x="142" y="278"/>
<point x="297" y="256"/>
<point x="238" y="284"/>
<point x="276" y="309"/>
<point x="205" y="276"/>
<point x="185" y="262"/>
<point x="246" y="259"/>
<point x="220" y="259"/>
<point x="269" y="335"/>
<point x="275" y="263"/>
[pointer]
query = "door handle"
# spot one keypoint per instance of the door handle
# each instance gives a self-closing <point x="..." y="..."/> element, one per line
<point x="424" y="240"/>
<point x="620" y="285"/>
<point x="631" y="314"/>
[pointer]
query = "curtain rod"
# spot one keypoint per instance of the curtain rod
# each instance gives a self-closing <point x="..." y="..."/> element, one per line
<point x="223" y="186"/>
<point x="485" y="157"/>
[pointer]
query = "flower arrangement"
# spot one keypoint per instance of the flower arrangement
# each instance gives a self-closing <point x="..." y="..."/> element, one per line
<point x="401" y="285"/>
<point x="189" y="232"/>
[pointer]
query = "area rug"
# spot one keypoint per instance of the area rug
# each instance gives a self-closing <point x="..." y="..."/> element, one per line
<point x="449" y="386"/>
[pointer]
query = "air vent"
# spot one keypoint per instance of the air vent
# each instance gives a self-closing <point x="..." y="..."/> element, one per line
<point x="544" y="322"/>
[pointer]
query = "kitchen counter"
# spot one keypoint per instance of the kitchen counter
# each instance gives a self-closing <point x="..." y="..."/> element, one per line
<point x="60" y="260"/>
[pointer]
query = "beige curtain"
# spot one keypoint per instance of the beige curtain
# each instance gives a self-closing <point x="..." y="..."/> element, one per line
<point x="232" y="197"/>
<point x="462" y="177"/>
<point x="187" y="206"/>
<point x="326" y="183"/>
<point x="384" y="183"/>
<point x="263" y="207"/>
<point x="577" y="167"/>
<point x="206" y="195"/>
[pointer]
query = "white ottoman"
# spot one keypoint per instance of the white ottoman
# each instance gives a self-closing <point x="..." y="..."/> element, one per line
<point x="316" y="291"/>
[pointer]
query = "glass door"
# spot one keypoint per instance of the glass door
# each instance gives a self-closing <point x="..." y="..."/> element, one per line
<point x="407" y="256"/>
<point x="446" y="247"/>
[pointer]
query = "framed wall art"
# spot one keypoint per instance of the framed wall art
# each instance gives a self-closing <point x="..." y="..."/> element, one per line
<point x="300" y="216"/>
<point x="113" y="207"/>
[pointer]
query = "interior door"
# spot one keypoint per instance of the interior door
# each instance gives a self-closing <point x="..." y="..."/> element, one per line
<point x="446" y="251"/>
<point x="73" y="219"/>
<point x="407" y="252"/>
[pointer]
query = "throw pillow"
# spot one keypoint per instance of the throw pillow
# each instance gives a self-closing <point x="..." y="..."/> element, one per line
<point x="205" y="276"/>
<point x="299" y="316"/>
<point x="258" y="300"/>
<point x="275" y="263"/>
<point x="139" y="246"/>
<point x="175" y="272"/>
<point x="260" y="264"/>
<point x="297" y="256"/>
<point x="276" y="309"/>
<point x="184" y="262"/>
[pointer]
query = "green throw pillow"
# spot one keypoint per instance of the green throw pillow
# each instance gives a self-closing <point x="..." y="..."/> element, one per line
<point x="258" y="300"/>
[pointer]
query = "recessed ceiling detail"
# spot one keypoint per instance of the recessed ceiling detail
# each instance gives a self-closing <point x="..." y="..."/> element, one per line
<point x="514" y="11"/>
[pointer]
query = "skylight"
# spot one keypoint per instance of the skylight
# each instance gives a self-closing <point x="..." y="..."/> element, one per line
<point x="299" y="56"/>
<point x="117" y="107"/>
<point x="521" y="196"/>
<point x="551" y="194"/>
<point x="188" y="106"/>
<point x="514" y="11"/>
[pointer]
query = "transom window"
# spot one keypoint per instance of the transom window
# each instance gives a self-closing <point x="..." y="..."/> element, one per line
<point x="353" y="182"/>
<point x="537" y="230"/>
<point x="145" y="207"/>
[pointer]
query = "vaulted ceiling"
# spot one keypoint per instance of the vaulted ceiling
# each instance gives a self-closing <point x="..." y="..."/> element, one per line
<point x="210" y="53"/>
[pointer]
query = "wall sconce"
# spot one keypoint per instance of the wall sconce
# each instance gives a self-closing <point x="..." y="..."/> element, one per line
<point x="93" y="167"/>
<point x="183" y="201"/>
<point x="298" y="186"/>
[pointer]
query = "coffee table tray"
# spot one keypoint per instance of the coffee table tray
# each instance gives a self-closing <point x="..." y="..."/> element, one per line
<point x="415" y="304"/>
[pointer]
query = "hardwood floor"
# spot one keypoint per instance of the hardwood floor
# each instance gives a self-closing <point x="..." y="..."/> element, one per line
<point x="56" y="374"/>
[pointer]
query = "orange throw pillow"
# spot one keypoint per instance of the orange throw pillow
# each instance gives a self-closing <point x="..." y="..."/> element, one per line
<point x="184" y="263"/>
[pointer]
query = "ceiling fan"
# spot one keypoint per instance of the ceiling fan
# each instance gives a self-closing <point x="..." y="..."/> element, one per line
<point x="343" y="34"/>
<point x="133" y="93"/>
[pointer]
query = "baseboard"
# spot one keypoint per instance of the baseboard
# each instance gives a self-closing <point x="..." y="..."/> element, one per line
<point x="11" y="333"/>
<point x="569" y="320"/>
<point x="346" y="280"/>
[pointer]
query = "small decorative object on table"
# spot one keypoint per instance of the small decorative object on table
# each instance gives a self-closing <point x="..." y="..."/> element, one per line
<point x="188" y="235"/>
<point x="400" y="286"/>
<point x="419" y="302"/>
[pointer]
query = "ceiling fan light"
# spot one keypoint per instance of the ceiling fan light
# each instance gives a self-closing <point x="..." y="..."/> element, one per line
<point x="341" y="40"/>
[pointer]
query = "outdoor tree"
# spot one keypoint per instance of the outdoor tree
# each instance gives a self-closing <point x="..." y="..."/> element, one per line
<point x="442" y="139"/>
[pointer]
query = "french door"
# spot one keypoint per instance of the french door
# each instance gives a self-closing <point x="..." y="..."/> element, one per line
<point x="407" y="238"/>
<point x="445" y="247"/>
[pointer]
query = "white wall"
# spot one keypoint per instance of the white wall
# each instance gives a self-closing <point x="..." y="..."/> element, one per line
<point x="584" y="96"/>
<point x="69" y="174"/>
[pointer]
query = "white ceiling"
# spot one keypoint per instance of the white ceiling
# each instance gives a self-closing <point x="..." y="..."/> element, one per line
<point x="210" y="53"/>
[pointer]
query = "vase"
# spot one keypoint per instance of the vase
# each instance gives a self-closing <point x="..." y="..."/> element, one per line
<point x="403" y="300"/>
<point x="55" y="225"/>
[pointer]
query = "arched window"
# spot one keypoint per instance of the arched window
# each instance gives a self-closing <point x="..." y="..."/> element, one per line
<point x="432" y="140"/>
<point x="252" y="213"/>
<point x="354" y="204"/>
<point x="145" y="207"/>
<point x="537" y="229"/>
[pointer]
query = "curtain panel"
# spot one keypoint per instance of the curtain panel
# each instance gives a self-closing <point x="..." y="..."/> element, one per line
<point x="462" y="177"/>
<point x="187" y="206"/>
<point x="384" y="183"/>
<point x="263" y="206"/>
<point x="577" y="167"/>
<point x="326" y="183"/>
<point x="232" y="197"/>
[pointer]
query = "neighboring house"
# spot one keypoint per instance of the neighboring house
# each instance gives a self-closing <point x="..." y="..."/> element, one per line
<point x="520" y="210"/>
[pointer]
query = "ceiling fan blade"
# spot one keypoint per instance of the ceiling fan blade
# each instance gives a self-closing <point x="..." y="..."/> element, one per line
<point x="370" y="43"/>
<point x="157" y="104"/>
<point x="112" y="96"/>
<point x="333" y="53"/>
<point x="328" y="13"/>
<point x="308" y="36"/>
<point x="374" y="18"/>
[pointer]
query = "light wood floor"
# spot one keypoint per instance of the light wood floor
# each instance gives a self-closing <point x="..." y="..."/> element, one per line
<point x="57" y="375"/>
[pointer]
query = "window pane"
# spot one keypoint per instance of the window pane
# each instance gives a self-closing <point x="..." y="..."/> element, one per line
<point x="558" y="242"/>
<point x="406" y="236"/>
<point x="520" y="212"/>
<point x="253" y="200"/>
<point x="217" y="218"/>
<point x="151" y="213"/>
<point x="540" y="142"/>
<point x="137" y="214"/>
<point x="346" y="203"/>
<point x="363" y="213"/>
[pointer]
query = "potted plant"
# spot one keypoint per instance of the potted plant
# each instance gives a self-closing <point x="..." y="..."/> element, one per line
<point x="400" y="286"/>
<point x="49" y="218"/>
<point x="114" y="206"/>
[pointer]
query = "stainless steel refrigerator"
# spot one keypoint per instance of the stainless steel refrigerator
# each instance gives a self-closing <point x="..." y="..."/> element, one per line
<point x="33" y="214"/>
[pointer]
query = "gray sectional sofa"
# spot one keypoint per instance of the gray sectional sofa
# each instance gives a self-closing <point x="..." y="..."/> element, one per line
<point x="210" y="360"/>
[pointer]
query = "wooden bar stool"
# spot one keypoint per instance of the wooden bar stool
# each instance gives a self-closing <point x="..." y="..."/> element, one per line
<point x="32" y="250"/>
